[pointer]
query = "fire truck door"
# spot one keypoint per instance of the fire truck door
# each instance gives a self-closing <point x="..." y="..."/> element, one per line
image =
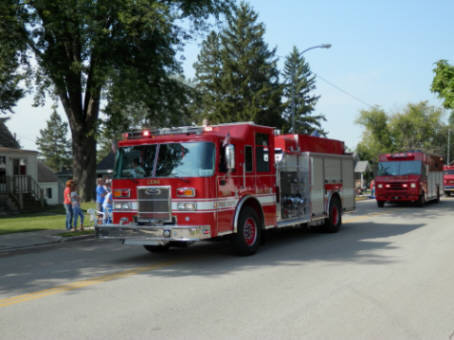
<point x="317" y="186"/>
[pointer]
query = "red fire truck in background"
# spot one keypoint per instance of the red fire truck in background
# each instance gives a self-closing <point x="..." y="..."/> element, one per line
<point x="448" y="179"/>
<point x="175" y="186"/>
<point x="412" y="176"/>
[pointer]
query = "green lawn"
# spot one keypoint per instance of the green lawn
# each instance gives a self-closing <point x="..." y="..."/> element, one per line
<point x="48" y="218"/>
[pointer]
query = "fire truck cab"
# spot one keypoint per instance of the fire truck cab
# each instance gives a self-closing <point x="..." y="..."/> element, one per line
<point x="180" y="185"/>
<point x="448" y="179"/>
<point x="412" y="176"/>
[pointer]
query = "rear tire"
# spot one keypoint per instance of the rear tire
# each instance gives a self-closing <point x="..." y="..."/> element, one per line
<point x="380" y="204"/>
<point x="334" y="220"/>
<point x="157" y="249"/>
<point x="247" y="239"/>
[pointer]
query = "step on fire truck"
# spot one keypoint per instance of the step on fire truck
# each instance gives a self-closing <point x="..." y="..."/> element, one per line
<point x="448" y="179"/>
<point x="412" y="176"/>
<point x="175" y="186"/>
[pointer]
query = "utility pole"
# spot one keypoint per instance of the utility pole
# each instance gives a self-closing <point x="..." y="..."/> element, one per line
<point x="449" y="146"/>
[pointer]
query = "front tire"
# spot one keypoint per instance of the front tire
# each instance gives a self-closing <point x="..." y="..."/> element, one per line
<point x="422" y="200"/>
<point x="247" y="239"/>
<point x="380" y="204"/>
<point x="334" y="220"/>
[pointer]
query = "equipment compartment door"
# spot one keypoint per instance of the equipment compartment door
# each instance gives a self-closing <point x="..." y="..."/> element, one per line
<point x="348" y="190"/>
<point x="317" y="186"/>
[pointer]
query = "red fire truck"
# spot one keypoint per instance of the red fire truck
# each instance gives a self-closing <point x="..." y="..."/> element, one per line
<point x="448" y="179"/>
<point x="174" y="186"/>
<point x="412" y="176"/>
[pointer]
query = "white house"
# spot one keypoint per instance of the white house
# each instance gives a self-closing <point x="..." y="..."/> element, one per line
<point x="19" y="177"/>
<point x="50" y="185"/>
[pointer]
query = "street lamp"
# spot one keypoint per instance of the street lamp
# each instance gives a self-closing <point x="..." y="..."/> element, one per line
<point x="293" y="77"/>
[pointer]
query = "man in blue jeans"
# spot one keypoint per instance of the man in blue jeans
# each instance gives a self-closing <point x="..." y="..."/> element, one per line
<point x="100" y="193"/>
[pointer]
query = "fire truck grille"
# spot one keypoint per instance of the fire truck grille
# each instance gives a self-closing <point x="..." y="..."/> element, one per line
<point x="397" y="186"/>
<point x="154" y="204"/>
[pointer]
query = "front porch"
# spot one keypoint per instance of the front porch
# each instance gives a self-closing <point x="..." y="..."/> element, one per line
<point x="20" y="193"/>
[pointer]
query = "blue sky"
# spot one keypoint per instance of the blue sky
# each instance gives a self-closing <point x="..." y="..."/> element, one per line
<point x="383" y="53"/>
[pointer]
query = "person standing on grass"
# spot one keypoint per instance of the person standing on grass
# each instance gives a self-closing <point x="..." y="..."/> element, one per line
<point x="100" y="194"/>
<point x="77" y="211"/>
<point x="67" y="204"/>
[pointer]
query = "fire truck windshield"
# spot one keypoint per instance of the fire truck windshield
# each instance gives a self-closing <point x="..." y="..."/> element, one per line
<point x="193" y="159"/>
<point x="399" y="168"/>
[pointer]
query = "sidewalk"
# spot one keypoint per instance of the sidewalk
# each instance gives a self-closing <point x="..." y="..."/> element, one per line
<point x="22" y="241"/>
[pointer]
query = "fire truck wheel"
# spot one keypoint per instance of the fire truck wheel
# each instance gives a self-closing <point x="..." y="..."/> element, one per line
<point x="157" y="249"/>
<point x="437" y="200"/>
<point x="247" y="239"/>
<point x="334" y="220"/>
<point x="380" y="204"/>
<point x="422" y="200"/>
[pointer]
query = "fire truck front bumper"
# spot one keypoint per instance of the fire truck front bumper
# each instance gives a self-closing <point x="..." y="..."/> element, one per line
<point x="132" y="234"/>
<point x="449" y="188"/>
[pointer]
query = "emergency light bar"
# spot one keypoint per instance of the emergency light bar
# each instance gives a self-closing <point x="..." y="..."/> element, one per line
<point x="401" y="155"/>
<point x="147" y="133"/>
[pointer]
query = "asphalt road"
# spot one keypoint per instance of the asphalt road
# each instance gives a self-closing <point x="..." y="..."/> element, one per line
<point x="388" y="274"/>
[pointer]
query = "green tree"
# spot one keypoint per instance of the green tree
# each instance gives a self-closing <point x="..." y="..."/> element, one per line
<point x="299" y="84"/>
<point x="10" y="92"/>
<point x="209" y="74"/>
<point x="443" y="85"/>
<point x="419" y="126"/>
<point x="84" y="48"/>
<point x="53" y="143"/>
<point x="376" y="136"/>
<point x="236" y="73"/>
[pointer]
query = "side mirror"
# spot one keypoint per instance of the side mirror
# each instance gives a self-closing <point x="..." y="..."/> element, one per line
<point x="230" y="156"/>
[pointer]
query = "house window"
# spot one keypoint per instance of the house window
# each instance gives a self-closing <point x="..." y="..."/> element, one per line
<point x="2" y="160"/>
<point x="49" y="192"/>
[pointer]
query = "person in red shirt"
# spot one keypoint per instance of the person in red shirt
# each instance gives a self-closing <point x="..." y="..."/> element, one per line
<point x="372" y="188"/>
<point x="67" y="204"/>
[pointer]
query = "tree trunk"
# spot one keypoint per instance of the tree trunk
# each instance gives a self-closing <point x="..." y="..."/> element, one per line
<point x="83" y="132"/>
<point x="84" y="163"/>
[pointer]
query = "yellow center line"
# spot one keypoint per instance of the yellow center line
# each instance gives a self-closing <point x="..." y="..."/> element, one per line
<point x="80" y="284"/>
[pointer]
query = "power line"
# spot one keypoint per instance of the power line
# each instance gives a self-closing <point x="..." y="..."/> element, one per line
<point x="343" y="91"/>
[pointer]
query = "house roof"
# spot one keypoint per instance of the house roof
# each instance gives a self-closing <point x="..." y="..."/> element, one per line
<point x="6" y="137"/>
<point x="107" y="163"/>
<point x="45" y="174"/>
<point x="361" y="166"/>
<point x="13" y="150"/>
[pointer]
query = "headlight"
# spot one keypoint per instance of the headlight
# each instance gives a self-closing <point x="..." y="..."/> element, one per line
<point x="380" y="186"/>
<point x="119" y="205"/>
<point x="413" y="185"/>
<point x="188" y="206"/>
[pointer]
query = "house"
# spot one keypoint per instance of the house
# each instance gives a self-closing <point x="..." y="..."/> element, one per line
<point x="105" y="166"/>
<point x="25" y="183"/>
<point x="19" y="188"/>
<point x="49" y="183"/>
<point x="361" y="168"/>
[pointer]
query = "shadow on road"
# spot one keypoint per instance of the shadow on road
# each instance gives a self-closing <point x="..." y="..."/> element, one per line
<point x="361" y="243"/>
